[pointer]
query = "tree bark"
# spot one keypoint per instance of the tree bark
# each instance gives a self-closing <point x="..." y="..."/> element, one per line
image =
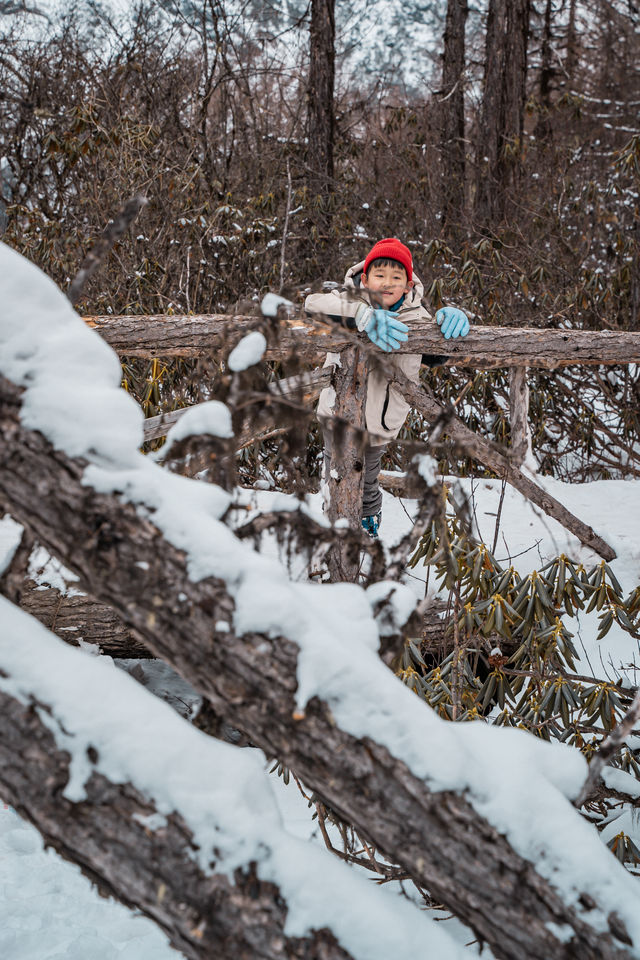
<point x="572" y="53"/>
<point x="451" y="850"/>
<point x="78" y="617"/>
<point x="204" y="915"/>
<point x="346" y="473"/>
<point x="499" y="145"/>
<point x="321" y="83"/>
<point x="519" y="415"/>
<point x="495" y="459"/>
<point x="483" y="348"/>
<point x="546" y="69"/>
<point x="453" y="147"/>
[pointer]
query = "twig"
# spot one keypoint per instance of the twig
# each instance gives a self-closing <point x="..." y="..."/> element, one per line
<point x="498" y="515"/>
<point x="608" y="749"/>
<point x="112" y="232"/>
<point x="285" y="229"/>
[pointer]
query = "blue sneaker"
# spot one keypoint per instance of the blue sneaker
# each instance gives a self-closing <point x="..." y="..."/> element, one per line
<point x="371" y="524"/>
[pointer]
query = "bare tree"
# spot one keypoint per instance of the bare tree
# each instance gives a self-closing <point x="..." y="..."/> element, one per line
<point x="499" y="138"/>
<point x="321" y="84"/>
<point x="453" y="126"/>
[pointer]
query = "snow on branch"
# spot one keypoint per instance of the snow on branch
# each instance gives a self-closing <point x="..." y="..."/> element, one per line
<point x="488" y="778"/>
<point x="222" y="795"/>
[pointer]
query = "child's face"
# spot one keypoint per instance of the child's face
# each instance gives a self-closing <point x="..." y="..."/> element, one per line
<point x="386" y="284"/>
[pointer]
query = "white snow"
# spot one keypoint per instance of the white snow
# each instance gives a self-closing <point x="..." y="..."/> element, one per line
<point x="223" y="793"/>
<point x="250" y="350"/>
<point x="212" y="418"/>
<point x="271" y="303"/>
<point x="49" y="910"/>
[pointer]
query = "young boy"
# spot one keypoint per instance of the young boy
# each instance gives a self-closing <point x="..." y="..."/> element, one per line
<point x="381" y="296"/>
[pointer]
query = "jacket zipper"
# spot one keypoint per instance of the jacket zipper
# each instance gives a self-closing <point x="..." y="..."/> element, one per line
<point x="384" y="408"/>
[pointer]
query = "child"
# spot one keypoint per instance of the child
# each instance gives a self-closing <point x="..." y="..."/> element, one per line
<point x="382" y="297"/>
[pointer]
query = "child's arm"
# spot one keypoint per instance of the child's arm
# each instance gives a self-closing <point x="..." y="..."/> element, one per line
<point x="336" y="306"/>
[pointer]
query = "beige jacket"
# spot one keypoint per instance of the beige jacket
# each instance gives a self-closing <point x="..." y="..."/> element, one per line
<point x="386" y="408"/>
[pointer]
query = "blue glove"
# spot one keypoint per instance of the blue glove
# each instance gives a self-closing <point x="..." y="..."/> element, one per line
<point x="385" y="330"/>
<point x="452" y="322"/>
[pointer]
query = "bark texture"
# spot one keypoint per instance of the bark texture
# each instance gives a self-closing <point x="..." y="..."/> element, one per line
<point x="453" y="147"/>
<point x="321" y="83"/>
<point x="74" y="618"/>
<point x="500" y="132"/>
<point x="151" y="870"/>
<point x="483" y="348"/>
<point x="519" y="415"/>
<point x="346" y="476"/>
<point x="437" y="837"/>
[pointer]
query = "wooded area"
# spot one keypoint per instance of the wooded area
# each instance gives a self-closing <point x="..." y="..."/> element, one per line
<point x="264" y="151"/>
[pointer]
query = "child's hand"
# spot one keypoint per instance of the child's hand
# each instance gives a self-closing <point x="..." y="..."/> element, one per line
<point x="385" y="330"/>
<point x="453" y="322"/>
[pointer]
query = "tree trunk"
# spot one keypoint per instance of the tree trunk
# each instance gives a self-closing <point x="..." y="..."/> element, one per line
<point x="499" y="147"/>
<point x="77" y="617"/>
<point x="451" y="850"/>
<point x="321" y="82"/>
<point x="519" y="415"/>
<point x="483" y="348"/>
<point x="346" y="474"/>
<point x="634" y="283"/>
<point x="152" y="870"/>
<point x="453" y="147"/>
<point x="572" y="54"/>
<point x="546" y="70"/>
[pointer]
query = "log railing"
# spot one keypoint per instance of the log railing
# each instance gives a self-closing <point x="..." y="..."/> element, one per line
<point x="484" y="348"/>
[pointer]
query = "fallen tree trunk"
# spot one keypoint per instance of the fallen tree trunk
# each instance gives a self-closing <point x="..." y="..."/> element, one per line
<point x="437" y="837"/>
<point x="150" y="868"/>
<point x="493" y="458"/>
<point x="77" y="617"/>
<point x="483" y="348"/>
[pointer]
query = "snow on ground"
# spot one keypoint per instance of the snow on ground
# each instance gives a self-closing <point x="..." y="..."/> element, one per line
<point x="527" y="538"/>
<point x="50" y="911"/>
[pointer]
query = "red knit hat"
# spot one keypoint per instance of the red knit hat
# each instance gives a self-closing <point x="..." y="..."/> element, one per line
<point x="390" y="249"/>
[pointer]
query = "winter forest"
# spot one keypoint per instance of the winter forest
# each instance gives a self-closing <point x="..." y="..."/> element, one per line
<point x="237" y="717"/>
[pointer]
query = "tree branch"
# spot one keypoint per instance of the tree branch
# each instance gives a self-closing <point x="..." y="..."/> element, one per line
<point x="450" y="850"/>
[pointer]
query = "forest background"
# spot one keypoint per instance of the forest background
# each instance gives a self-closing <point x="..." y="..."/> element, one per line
<point x="273" y="151"/>
<point x="501" y="142"/>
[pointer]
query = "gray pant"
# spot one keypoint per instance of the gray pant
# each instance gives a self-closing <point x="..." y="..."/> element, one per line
<point x="372" y="494"/>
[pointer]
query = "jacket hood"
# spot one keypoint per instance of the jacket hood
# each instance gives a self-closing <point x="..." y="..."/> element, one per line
<point x="413" y="298"/>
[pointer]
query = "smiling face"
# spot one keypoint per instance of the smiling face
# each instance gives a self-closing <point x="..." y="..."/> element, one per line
<point x="386" y="282"/>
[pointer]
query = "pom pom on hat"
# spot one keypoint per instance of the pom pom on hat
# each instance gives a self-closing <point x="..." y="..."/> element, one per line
<point x="391" y="249"/>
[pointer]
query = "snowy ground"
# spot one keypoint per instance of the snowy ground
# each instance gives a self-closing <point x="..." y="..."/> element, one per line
<point x="49" y="911"/>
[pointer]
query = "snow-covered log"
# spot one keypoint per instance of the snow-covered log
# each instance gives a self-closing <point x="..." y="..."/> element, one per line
<point x="74" y="617"/>
<point x="437" y="836"/>
<point x="174" y="823"/>
<point x="483" y="348"/>
<point x="480" y="816"/>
